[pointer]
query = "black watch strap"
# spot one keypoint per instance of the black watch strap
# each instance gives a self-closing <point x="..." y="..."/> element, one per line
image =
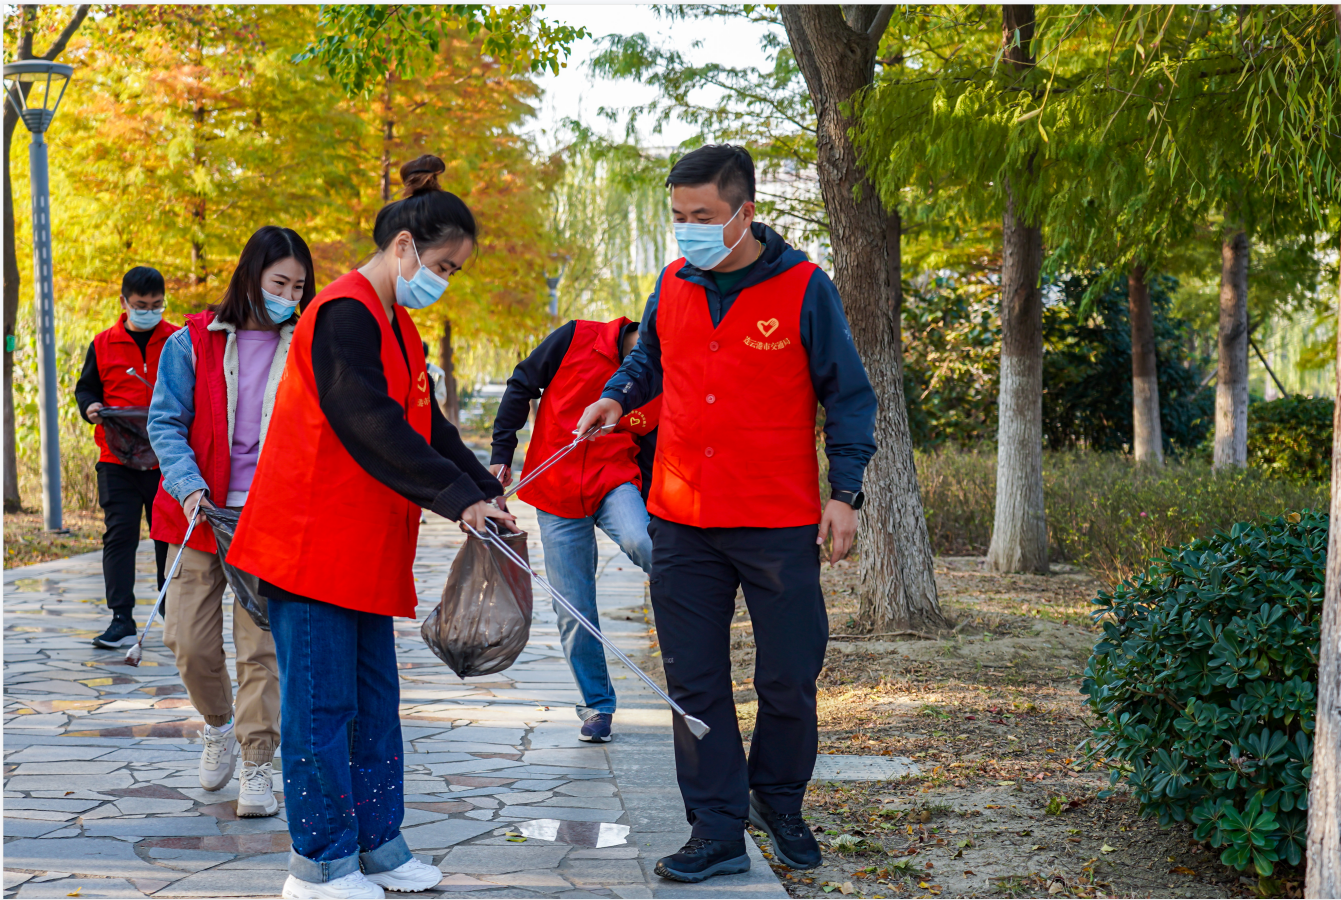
<point x="854" y="499"/>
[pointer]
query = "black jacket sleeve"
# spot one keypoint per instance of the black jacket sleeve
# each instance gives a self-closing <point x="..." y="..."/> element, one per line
<point x="88" y="389"/>
<point x="528" y="381"/>
<point x="351" y="385"/>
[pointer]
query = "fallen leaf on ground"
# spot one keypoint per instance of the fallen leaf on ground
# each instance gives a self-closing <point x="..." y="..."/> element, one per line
<point x="1183" y="870"/>
<point x="1107" y="849"/>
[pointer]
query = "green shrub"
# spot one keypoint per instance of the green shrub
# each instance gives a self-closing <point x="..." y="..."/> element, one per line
<point x="1205" y="682"/>
<point x="1292" y="438"/>
<point x="1104" y="512"/>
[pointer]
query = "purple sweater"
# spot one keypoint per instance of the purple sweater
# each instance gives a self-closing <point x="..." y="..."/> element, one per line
<point x="255" y="353"/>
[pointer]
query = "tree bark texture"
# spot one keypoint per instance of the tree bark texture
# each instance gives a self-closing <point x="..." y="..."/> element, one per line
<point x="894" y="250"/>
<point x="1147" y="439"/>
<point x="1020" y="528"/>
<point x="388" y="135"/>
<point x="13" y="502"/>
<point x="835" y="48"/>
<point x="447" y="360"/>
<point x="1231" y="387"/>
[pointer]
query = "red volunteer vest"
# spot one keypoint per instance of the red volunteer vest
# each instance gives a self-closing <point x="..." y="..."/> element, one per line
<point x="116" y="351"/>
<point x="575" y="486"/>
<point x="737" y="440"/>
<point x="208" y="437"/>
<point x="316" y="524"/>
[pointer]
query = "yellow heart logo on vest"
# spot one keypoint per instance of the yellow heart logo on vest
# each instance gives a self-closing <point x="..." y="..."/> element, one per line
<point x="422" y="381"/>
<point x="767" y="327"/>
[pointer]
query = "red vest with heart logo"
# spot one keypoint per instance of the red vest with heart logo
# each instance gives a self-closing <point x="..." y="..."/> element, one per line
<point x="316" y="523"/>
<point x="574" y="487"/>
<point x="116" y="351"/>
<point x="737" y="441"/>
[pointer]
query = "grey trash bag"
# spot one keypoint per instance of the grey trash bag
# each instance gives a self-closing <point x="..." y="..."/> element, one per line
<point x="126" y="430"/>
<point x="246" y="587"/>
<point x="483" y="621"/>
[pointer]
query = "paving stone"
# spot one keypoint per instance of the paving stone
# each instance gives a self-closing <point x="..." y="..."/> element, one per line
<point x="50" y="753"/>
<point x="536" y="881"/>
<point x="483" y="815"/>
<point x="61" y="805"/>
<point x="471" y="767"/>
<point x="587" y="789"/>
<point x="14" y="879"/>
<point x="589" y="758"/>
<point x="80" y="856"/>
<point x="153" y="827"/>
<point x="462" y="883"/>
<point x="110" y="888"/>
<point x="862" y="768"/>
<point x="476" y="859"/>
<point x="604" y="853"/>
<point x="64" y="783"/>
<point x="130" y="806"/>
<point x="528" y="796"/>
<point x="41" y="815"/>
<point x="446" y="833"/>
<point x="536" y="784"/>
<point x="581" y="802"/>
<point x="573" y="814"/>
<point x="218" y="882"/>
<point x="29" y="828"/>
<point x="585" y="872"/>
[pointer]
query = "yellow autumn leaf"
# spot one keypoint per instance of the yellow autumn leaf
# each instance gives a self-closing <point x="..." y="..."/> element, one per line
<point x="1107" y="849"/>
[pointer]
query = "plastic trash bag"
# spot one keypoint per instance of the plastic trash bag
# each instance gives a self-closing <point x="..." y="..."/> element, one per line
<point x="126" y="430"/>
<point x="483" y="621"/>
<point x="246" y="587"/>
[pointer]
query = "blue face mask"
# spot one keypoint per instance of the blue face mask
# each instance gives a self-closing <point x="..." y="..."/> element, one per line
<point x="704" y="246"/>
<point x="280" y="310"/>
<point x="424" y="289"/>
<point x="144" y="319"/>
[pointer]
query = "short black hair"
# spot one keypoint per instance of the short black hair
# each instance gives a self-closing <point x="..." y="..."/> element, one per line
<point x="729" y="167"/>
<point x="144" y="281"/>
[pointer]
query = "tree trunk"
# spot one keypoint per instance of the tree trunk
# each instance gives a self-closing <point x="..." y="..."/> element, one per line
<point x="13" y="502"/>
<point x="1147" y="438"/>
<point x="388" y="135"/>
<point x="894" y="251"/>
<point x="835" y="48"/>
<point x="448" y="363"/>
<point x="1231" y="388"/>
<point x="1020" y="529"/>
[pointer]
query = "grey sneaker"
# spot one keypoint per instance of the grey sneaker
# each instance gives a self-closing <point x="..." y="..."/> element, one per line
<point x="218" y="760"/>
<point x="257" y="794"/>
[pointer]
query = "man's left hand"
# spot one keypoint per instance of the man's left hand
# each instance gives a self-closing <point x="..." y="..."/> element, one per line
<point x="840" y="520"/>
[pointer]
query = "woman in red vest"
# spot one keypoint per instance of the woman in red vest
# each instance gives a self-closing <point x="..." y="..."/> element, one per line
<point x="215" y="393"/>
<point x="356" y="446"/>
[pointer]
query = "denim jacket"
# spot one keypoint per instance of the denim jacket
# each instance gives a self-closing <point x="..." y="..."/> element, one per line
<point x="173" y="407"/>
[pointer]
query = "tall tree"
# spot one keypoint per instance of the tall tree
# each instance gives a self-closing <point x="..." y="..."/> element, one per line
<point x="835" y="49"/>
<point x="1147" y="441"/>
<point x="1231" y="389"/>
<point x="26" y="26"/>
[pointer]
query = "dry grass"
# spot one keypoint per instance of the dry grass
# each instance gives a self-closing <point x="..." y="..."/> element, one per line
<point x="26" y="542"/>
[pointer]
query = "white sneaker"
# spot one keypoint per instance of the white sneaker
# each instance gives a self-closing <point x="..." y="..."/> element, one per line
<point x="257" y="794"/>
<point x="353" y="886"/>
<point x="219" y="758"/>
<point x="411" y="876"/>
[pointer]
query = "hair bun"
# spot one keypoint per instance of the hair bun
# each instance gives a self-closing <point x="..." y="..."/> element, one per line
<point x="420" y="176"/>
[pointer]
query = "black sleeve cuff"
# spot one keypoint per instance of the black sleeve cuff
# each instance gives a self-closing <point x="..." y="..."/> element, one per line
<point x="457" y="497"/>
<point x="502" y="456"/>
<point x="491" y="487"/>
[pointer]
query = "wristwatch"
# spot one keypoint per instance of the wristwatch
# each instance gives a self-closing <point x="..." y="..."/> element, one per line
<point x="854" y="499"/>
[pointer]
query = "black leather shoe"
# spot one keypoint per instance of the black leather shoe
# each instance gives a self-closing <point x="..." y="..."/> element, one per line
<point x="121" y="633"/>
<point x="794" y="843"/>
<point x="700" y="859"/>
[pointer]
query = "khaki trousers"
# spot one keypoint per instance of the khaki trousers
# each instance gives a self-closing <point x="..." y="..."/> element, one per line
<point x="194" y="634"/>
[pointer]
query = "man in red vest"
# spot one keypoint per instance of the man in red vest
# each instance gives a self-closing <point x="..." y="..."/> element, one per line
<point x="120" y="370"/>
<point x="602" y="483"/>
<point x="747" y="337"/>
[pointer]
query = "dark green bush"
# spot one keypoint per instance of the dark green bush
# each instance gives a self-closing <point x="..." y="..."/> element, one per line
<point x="1292" y="438"/>
<point x="1205" y="683"/>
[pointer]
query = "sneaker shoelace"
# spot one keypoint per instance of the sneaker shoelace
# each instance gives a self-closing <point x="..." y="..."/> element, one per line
<point x="790" y="825"/>
<point x="256" y="779"/>
<point x="695" y="844"/>
<point x="215" y="744"/>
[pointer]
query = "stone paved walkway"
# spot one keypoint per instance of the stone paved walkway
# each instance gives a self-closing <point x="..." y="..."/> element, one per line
<point x="102" y="799"/>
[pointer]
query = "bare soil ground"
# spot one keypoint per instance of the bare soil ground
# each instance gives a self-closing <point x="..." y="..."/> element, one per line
<point x="26" y="542"/>
<point x="991" y="713"/>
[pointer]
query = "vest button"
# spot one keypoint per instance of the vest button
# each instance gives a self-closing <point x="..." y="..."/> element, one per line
<point x="712" y="398"/>
<point x="714" y="346"/>
<point x="707" y="451"/>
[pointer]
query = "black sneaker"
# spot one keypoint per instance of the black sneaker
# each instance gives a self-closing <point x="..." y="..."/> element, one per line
<point x="794" y="843"/>
<point x="700" y="859"/>
<point x="121" y="633"/>
<point x="596" y="728"/>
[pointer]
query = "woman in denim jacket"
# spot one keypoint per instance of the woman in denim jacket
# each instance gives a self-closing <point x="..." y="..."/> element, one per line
<point x="207" y="422"/>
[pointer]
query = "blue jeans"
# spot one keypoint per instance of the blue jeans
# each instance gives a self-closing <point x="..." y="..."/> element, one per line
<point x="570" y="564"/>
<point x="344" y="793"/>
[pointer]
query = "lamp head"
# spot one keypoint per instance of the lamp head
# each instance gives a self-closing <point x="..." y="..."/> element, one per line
<point x="26" y="79"/>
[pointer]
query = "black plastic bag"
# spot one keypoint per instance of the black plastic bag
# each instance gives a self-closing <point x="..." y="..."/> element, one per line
<point x="246" y="587"/>
<point x="484" y="619"/>
<point x="126" y="429"/>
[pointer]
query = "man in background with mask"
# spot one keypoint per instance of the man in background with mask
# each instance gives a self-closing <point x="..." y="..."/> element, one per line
<point x="747" y="337"/>
<point x="120" y="370"/>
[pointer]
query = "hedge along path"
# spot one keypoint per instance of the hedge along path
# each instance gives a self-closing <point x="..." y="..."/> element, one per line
<point x="980" y="712"/>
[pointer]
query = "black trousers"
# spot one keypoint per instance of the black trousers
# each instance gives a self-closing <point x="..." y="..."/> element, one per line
<point x="123" y="493"/>
<point x="695" y="573"/>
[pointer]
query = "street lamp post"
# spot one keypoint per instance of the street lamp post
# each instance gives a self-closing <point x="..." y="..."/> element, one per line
<point x="22" y="81"/>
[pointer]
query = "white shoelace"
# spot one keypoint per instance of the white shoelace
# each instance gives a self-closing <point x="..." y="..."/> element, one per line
<point x="215" y="744"/>
<point x="257" y="779"/>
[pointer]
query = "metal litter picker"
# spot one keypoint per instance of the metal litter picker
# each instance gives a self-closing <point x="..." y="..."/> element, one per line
<point x="594" y="431"/>
<point x="136" y="653"/>
<point x="697" y="727"/>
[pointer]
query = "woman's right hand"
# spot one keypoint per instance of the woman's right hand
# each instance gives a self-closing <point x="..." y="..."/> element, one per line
<point x="502" y="473"/>
<point x="475" y="516"/>
<point x="194" y="499"/>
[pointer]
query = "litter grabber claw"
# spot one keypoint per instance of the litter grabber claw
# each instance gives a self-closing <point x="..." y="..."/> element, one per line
<point x="136" y="653"/>
<point x="540" y="469"/>
<point x="131" y="371"/>
<point x="697" y="727"/>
